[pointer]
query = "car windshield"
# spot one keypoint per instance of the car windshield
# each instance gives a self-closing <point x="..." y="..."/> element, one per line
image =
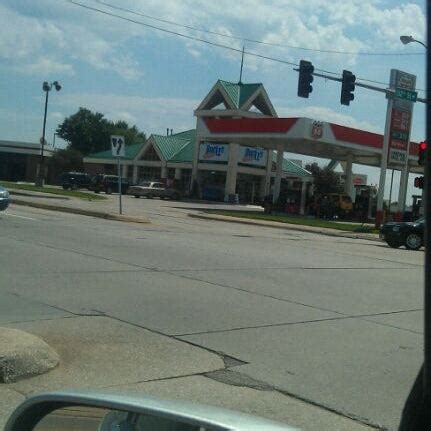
<point x="260" y="251"/>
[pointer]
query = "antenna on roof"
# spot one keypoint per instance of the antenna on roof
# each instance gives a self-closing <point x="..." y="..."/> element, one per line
<point x="242" y="63"/>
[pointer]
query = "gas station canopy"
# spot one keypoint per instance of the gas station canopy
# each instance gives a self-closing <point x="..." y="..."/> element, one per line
<point x="303" y="136"/>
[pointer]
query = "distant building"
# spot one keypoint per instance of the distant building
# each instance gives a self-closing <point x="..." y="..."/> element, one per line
<point x="19" y="160"/>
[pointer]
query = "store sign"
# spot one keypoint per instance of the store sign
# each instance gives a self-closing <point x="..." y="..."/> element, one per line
<point x="317" y="130"/>
<point x="401" y="116"/>
<point x="211" y="152"/>
<point x="252" y="156"/>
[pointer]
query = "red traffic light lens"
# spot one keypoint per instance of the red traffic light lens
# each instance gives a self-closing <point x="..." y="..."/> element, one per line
<point x="422" y="146"/>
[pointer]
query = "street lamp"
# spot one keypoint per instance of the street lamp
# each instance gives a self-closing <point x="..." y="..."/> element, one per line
<point x="47" y="87"/>
<point x="408" y="39"/>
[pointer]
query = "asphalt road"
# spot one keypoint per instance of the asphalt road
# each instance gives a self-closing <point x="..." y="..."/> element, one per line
<point x="333" y="321"/>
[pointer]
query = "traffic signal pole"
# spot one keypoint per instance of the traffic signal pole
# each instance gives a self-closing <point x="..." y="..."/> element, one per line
<point x="387" y="91"/>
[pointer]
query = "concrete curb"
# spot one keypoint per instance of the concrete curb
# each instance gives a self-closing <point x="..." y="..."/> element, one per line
<point x="24" y="355"/>
<point x="98" y="214"/>
<point x="12" y="192"/>
<point x="279" y="225"/>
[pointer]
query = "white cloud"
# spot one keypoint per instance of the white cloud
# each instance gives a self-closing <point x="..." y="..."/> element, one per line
<point x="152" y="115"/>
<point x="45" y="67"/>
<point x="32" y="44"/>
<point x="101" y="41"/>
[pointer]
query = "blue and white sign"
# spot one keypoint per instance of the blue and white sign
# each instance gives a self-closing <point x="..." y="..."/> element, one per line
<point x="211" y="152"/>
<point x="252" y="156"/>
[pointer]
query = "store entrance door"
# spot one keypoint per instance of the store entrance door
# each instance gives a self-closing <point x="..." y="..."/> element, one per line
<point x="248" y="188"/>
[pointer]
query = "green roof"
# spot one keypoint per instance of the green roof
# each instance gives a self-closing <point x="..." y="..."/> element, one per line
<point x="131" y="152"/>
<point x="291" y="167"/>
<point x="179" y="148"/>
<point x="176" y="148"/>
<point x="239" y="93"/>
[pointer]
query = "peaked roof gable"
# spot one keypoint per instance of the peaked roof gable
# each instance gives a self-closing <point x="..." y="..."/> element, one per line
<point x="238" y="96"/>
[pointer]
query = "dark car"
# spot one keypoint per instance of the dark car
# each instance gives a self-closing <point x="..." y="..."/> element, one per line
<point x="409" y="234"/>
<point x="4" y="199"/>
<point x="75" y="180"/>
<point x="108" y="184"/>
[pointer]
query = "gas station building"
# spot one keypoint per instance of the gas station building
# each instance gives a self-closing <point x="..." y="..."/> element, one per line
<point x="238" y="146"/>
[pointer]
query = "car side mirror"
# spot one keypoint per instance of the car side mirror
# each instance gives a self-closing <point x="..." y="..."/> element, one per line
<point x="107" y="411"/>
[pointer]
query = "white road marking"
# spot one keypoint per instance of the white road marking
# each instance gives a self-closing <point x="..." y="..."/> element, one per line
<point x="19" y="216"/>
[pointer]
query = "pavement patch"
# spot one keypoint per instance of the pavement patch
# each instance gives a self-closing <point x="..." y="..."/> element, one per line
<point x="268" y="404"/>
<point x="9" y="401"/>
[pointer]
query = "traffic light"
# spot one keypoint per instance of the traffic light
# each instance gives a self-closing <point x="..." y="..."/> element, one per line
<point x="422" y="153"/>
<point x="347" y="87"/>
<point x="419" y="182"/>
<point x="306" y="70"/>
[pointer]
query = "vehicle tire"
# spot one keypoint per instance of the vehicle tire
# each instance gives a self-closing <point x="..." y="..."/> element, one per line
<point x="96" y="191"/>
<point x="413" y="241"/>
<point x="136" y="196"/>
<point x="65" y="187"/>
<point x="175" y="197"/>
<point x="393" y="244"/>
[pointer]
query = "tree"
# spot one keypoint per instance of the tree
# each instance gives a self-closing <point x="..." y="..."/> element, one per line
<point x="132" y="134"/>
<point x="64" y="160"/>
<point x="325" y="179"/>
<point x="89" y="132"/>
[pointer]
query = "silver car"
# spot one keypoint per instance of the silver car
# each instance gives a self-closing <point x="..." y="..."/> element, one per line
<point x="154" y="189"/>
<point x="4" y="199"/>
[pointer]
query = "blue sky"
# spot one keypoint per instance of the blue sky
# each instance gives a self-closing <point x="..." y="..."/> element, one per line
<point x="155" y="80"/>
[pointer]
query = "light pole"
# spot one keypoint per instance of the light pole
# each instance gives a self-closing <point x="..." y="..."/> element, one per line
<point x="409" y="39"/>
<point x="47" y="87"/>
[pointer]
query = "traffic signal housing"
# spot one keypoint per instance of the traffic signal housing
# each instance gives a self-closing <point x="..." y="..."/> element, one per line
<point x="422" y="153"/>
<point x="306" y="70"/>
<point x="347" y="87"/>
<point x="419" y="182"/>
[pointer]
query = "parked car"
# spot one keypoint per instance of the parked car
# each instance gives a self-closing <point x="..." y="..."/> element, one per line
<point x="153" y="189"/>
<point x="4" y="199"/>
<point x="409" y="234"/>
<point x="108" y="184"/>
<point x="75" y="180"/>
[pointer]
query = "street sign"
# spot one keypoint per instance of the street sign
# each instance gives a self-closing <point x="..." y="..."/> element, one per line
<point x="409" y="95"/>
<point x="118" y="146"/>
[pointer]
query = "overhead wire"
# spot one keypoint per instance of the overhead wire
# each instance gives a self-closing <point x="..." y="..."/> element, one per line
<point x="246" y="39"/>
<point x="208" y="42"/>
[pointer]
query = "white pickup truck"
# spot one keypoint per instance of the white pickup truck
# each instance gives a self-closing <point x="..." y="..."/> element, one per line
<point x="153" y="189"/>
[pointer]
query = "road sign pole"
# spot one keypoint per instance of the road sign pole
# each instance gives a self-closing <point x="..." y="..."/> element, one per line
<point x="383" y="165"/>
<point x="119" y="185"/>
